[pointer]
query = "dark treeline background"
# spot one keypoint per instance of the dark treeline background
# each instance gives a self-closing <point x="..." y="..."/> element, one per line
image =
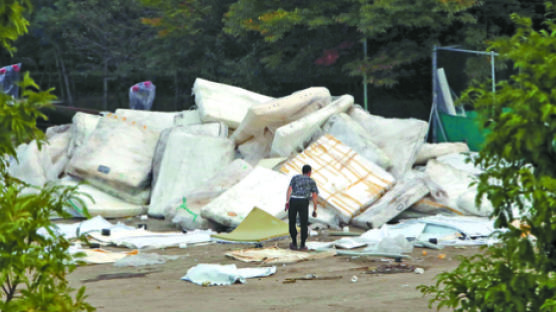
<point x="92" y="51"/>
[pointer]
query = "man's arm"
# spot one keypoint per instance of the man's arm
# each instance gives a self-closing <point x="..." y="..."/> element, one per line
<point x="288" y="198"/>
<point x="314" y="195"/>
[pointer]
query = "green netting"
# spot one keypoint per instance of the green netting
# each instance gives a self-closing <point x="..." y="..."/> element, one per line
<point x="462" y="129"/>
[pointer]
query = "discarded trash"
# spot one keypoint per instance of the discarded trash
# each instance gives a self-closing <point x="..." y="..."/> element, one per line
<point x="277" y="255"/>
<point x="111" y="276"/>
<point x="141" y="95"/>
<point x="221" y="275"/>
<point x="354" y="279"/>
<point x="143" y="259"/>
<point x="419" y="271"/>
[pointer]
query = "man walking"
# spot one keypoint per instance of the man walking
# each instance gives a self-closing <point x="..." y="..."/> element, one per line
<point x="297" y="201"/>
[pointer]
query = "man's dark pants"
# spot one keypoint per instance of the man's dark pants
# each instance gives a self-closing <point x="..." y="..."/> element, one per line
<point x="301" y="206"/>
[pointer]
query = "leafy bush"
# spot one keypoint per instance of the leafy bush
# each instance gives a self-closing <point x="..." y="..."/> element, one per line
<point x="33" y="266"/>
<point x="520" y="153"/>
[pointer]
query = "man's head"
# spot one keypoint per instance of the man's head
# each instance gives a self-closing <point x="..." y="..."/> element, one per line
<point x="306" y="170"/>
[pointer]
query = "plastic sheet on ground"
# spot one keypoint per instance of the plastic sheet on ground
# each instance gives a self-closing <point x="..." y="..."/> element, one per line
<point x="295" y="135"/>
<point x="102" y="204"/>
<point x="262" y="188"/>
<point x="347" y="182"/>
<point x="258" y="226"/>
<point x="448" y="231"/>
<point x="276" y="255"/>
<point x="187" y="162"/>
<point x="221" y="102"/>
<point x="141" y="238"/>
<point x="276" y="113"/>
<point x="73" y="230"/>
<point x="117" y="158"/>
<point x="408" y="190"/>
<point x="347" y="130"/>
<point x="221" y="275"/>
<point x="143" y="259"/>
<point x="434" y="150"/>
<point x="186" y="212"/>
<point x="99" y="255"/>
<point x="400" y="139"/>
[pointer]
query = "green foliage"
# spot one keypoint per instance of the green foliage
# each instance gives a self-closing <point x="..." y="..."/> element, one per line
<point x="33" y="266"/>
<point x="519" y="274"/>
<point x="13" y="23"/>
<point x="328" y="34"/>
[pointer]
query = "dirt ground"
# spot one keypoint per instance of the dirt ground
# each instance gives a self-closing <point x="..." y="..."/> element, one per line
<point x="160" y="289"/>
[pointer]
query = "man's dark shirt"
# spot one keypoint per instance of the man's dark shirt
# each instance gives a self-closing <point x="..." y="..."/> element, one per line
<point x="303" y="186"/>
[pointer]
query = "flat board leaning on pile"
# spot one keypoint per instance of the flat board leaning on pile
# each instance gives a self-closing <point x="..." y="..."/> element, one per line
<point x="408" y="190"/>
<point x="221" y="102"/>
<point x="117" y="159"/>
<point x="273" y="114"/>
<point x="400" y="139"/>
<point x="261" y="188"/>
<point x="347" y="182"/>
<point x="293" y="136"/>
<point x="187" y="214"/>
<point x="187" y="161"/>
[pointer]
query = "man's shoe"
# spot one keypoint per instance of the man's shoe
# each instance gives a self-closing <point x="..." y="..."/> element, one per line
<point x="303" y="248"/>
<point x="293" y="247"/>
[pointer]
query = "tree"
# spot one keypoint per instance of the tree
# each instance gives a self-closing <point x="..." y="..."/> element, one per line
<point x="519" y="154"/>
<point x="315" y="38"/>
<point x="32" y="266"/>
<point x="106" y="38"/>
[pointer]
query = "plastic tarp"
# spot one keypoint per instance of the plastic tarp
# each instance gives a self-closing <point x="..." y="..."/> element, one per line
<point x="37" y="166"/>
<point x="262" y="188"/>
<point x="117" y="158"/>
<point x="103" y="204"/>
<point x="9" y="78"/>
<point x="141" y="238"/>
<point x="73" y="230"/>
<point x="221" y="275"/>
<point x="293" y="136"/>
<point x="347" y="130"/>
<point x="187" y="162"/>
<point x="258" y="226"/>
<point x="221" y="102"/>
<point x="276" y="255"/>
<point x="143" y="259"/>
<point x="187" y="211"/>
<point x="456" y="184"/>
<point x="99" y="255"/>
<point x="276" y="113"/>
<point x="347" y="182"/>
<point x="155" y="121"/>
<point x="434" y="150"/>
<point x="400" y="139"/>
<point x="408" y="190"/>
<point x="82" y="126"/>
<point x="141" y="95"/>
